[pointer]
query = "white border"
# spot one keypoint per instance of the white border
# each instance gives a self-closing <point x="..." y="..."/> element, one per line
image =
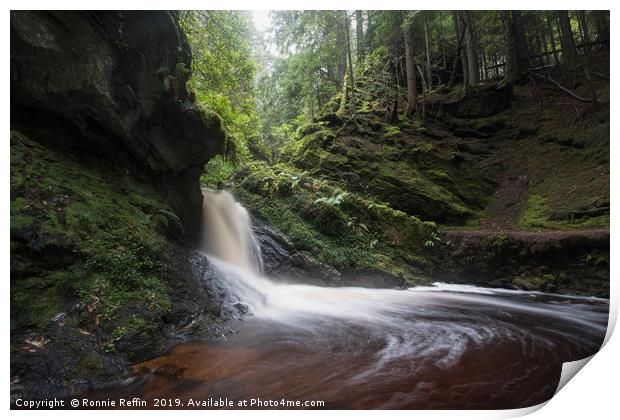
<point x="592" y="395"/>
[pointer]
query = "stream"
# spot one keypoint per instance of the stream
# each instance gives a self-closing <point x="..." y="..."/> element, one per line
<point x="440" y="347"/>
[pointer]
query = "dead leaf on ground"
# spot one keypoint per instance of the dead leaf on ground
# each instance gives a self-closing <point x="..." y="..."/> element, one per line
<point x="84" y="332"/>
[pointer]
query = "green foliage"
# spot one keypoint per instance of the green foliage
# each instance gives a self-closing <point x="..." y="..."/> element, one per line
<point x="295" y="85"/>
<point x="217" y="171"/>
<point x="336" y="226"/>
<point x="297" y="179"/>
<point x="392" y="131"/>
<point x="359" y="229"/>
<point x="434" y="240"/>
<point x="223" y="70"/>
<point x="333" y="201"/>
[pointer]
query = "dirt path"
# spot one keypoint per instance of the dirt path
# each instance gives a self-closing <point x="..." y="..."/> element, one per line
<point x="528" y="236"/>
<point x="507" y="203"/>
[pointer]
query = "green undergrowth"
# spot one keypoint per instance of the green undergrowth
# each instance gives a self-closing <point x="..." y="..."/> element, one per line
<point x="337" y="226"/>
<point x="85" y="240"/>
<point x="353" y="190"/>
<point x="217" y="171"/>
<point x="399" y="165"/>
<point x="566" y="157"/>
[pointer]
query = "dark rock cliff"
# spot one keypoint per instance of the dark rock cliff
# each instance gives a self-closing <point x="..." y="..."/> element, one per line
<point x="112" y="84"/>
<point x="107" y="146"/>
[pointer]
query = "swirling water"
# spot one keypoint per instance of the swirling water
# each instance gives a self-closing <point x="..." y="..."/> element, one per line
<point x="445" y="346"/>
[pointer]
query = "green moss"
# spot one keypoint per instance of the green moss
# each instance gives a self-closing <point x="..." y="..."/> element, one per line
<point x="307" y="129"/>
<point x="49" y="290"/>
<point x="537" y="214"/>
<point x="89" y="365"/>
<point x="417" y="178"/>
<point x="544" y="282"/>
<point x="134" y="325"/>
<point x="313" y="143"/>
<point x="567" y="165"/>
<point x="80" y="361"/>
<point x="533" y="215"/>
<point x="391" y="131"/>
<point x="98" y="227"/>
<point x="338" y="227"/>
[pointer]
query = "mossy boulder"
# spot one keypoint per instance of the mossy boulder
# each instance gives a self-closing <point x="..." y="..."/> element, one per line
<point x="92" y="235"/>
<point x="544" y="282"/>
<point x="574" y="262"/>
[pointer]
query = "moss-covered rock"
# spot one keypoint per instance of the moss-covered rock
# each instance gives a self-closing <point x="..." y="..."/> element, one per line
<point x="477" y="102"/>
<point x="573" y="262"/>
<point x="545" y="282"/>
<point x="96" y="280"/>
<point x="341" y="228"/>
<point x="95" y="235"/>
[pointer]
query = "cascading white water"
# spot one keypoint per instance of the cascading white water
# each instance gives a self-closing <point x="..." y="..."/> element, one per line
<point x="233" y="249"/>
<point x="228" y="232"/>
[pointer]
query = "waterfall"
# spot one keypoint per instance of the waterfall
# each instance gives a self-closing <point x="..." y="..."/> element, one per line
<point x="230" y="245"/>
<point x="228" y="232"/>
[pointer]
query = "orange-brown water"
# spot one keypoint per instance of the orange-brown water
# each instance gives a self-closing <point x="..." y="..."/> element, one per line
<point x="450" y="350"/>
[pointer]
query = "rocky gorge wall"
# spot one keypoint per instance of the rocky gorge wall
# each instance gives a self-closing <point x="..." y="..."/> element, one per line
<point x="113" y="84"/>
<point x="568" y="262"/>
<point x="107" y="146"/>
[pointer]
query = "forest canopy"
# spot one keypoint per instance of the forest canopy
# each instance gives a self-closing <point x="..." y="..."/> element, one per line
<point x="267" y="83"/>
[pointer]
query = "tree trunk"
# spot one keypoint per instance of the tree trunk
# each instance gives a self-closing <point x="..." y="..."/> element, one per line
<point x="359" y="35"/>
<point x="545" y="42"/>
<point x="541" y="49"/>
<point x="341" y="65"/>
<point x="554" y="48"/>
<point x="517" y="60"/>
<point x="370" y="24"/>
<point x="424" y="89"/>
<point x="569" y="52"/>
<point x="471" y="50"/>
<point x="412" y="91"/>
<point x="397" y="34"/>
<point x="601" y="17"/>
<point x="348" y="45"/>
<point x="583" y="27"/>
<point x="459" y="28"/>
<point x="429" y="74"/>
<point x="442" y="40"/>
<point x="344" y="98"/>
<point x="459" y="55"/>
<point x="523" y="52"/>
